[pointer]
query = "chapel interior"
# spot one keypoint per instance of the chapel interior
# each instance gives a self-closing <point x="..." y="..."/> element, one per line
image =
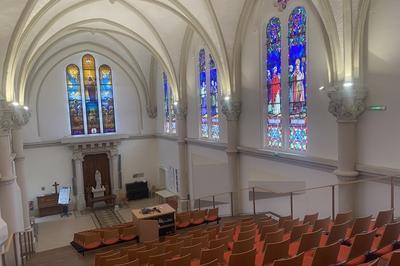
<point x="199" y="132"/>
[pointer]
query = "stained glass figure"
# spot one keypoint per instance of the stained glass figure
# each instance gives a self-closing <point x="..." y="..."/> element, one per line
<point x="107" y="99"/>
<point x="297" y="80"/>
<point x="75" y="100"/>
<point x="203" y="94"/>
<point x="214" y="99"/>
<point x="91" y="97"/>
<point x="273" y="122"/>
<point x="166" y="104"/>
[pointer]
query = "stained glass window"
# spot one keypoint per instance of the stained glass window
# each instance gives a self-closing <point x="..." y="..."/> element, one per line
<point x="297" y="79"/>
<point x="169" y="111"/>
<point x="91" y="94"/>
<point x="107" y="99"/>
<point x="203" y="94"/>
<point x="273" y="121"/>
<point x="214" y="99"/>
<point x="75" y="100"/>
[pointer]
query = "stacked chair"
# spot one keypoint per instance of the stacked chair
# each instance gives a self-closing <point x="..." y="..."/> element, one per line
<point x="198" y="217"/>
<point x="263" y="240"/>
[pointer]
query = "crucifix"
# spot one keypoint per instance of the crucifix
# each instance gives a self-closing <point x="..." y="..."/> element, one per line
<point x="55" y="185"/>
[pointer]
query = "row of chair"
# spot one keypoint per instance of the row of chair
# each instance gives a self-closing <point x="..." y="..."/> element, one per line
<point x="93" y="239"/>
<point x="198" y="217"/>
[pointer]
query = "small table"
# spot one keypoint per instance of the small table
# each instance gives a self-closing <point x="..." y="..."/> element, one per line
<point x="111" y="198"/>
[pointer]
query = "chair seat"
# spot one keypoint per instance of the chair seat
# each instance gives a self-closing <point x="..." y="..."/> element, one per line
<point x="357" y="261"/>
<point x="196" y="221"/>
<point x="110" y="241"/>
<point x="127" y="237"/>
<point x="92" y="245"/>
<point x="182" y="225"/>
<point x="211" y="218"/>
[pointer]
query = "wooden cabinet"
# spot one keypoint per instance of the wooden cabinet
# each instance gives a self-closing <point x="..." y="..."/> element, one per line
<point x="48" y="205"/>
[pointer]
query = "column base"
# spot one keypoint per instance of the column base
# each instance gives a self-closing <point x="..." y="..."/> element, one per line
<point x="346" y="193"/>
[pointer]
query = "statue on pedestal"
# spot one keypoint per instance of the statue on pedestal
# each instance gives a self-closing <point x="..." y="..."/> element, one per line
<point x="98" y="191"/>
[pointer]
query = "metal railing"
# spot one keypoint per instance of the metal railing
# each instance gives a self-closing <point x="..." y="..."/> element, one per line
<point x="18" y="248"/>
<point x="211" y="200"/>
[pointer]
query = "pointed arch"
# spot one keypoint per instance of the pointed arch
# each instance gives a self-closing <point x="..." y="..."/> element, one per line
<point x="74" y="93"/>
<point x="107" y="99"/>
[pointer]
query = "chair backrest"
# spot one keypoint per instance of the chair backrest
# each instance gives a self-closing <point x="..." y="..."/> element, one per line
<point x="383" y="218"/>
<point x="219" y="241"/>
<point x="208" y="255"/>
<point x="361" y="244"/>
<point x="212" y="234"/>
<point x="211" y="263"/>
<point x="274" y="237"/>
<point x="360" y="225"/>
<point x="246" y="220"/>
<point x="298" y="231"/>
<point x="283" y="219"/>
<point x="228" y="228"/>
<point x="274" y="251"/>
<point x="161" y="246"/>
<point x="228" y="233"/>
<point x="266" y="229"/>
<point x="203" y="240"/>
<point x="187" y="239"/>
<point x="247" y="227"/>
<point x="243" y="245"/>
<point x="130" y="263"/>
<point x="143" y="255"/>
<point x="195" y="215"/>
<point x="124" y="250"/>
<point x="322" y="224"/>
<point x="150" y="244"/>
<point x="172" y="238"/>
<point x="213" y="212"/>
<point x="247" y="234"/>
<point x="395" y="259"/>
<point x="338" y="232"/>
<point x="102" y="259"/>
<point x="181" y="261"/>
<point x="326" y="255"/>
<point x="309" y="241"/>
<point x="343" y="217"/>
<point x="112" y="262"/>
<point x="183" y="217"/>
<point x="311" y="218"/>
<point x="104" y="254"/>
<point x="175" y="248"/>
<point x="132" y="252"/>
<point x="390" y="234"/>
<point x="197" y="232"/>
<point x="288" y="224"/>
<point x="293" y="261"/>
<point x="245" y="258"/>
<point x="194" y="251"/>
<point x="158" y="260"/>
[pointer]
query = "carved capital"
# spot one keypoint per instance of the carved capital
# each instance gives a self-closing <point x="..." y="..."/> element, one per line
<point x="347" y="104"/>
<point x="281" y="4"/>
<point x="151" y="111"/>
<point x="181" y="110"/>
<point x="231" y="109"/>
<point x="78" y="156"/>
<point x="11" y="116"/>
<point x="21" y="116"/>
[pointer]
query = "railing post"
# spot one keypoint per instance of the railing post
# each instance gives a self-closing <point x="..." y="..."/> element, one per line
<point x="333" y="202"/>
<point x="3" y="259"/>
<point x="199" y="204"/>
<point x="291" y="204"/>
<point x="213" y="202"/>
<point x="232" y="204"/>
<point x="392" y="192"/>
<point x="15" y="249"/>
<point x="254" y="201"/>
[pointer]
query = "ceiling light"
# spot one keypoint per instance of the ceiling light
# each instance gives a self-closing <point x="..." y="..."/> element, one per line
<point x="227" y="98"/>
<point x="15" y="103"/>
<point x="321" y="88"/>
<point x="348" y="84"/>
<point x="176" y="103"/>
<point x="26" y="108"/>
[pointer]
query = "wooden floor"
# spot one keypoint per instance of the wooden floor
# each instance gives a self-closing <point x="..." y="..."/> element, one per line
<point x="65" y="256"/>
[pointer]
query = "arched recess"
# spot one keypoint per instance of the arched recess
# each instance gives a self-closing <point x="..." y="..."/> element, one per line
<point x="67" y="52"/>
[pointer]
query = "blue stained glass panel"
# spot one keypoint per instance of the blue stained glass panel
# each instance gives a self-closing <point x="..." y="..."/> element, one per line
<point x="297" y="80"/>
<point x="166" y="104"/>
<point x="107" y="99"/>
<point x="91" y="98"/>
<point x="273" y="121"/>
<point x="75" y="100"/>
<point x="203" y="94"/>
<point x="214" y="99"/>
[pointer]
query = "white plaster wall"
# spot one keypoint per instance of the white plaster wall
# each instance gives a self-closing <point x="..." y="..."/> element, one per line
<point x="50" y="116"/>
<point x="378" y="141"/>
<point x="321" y="124"/>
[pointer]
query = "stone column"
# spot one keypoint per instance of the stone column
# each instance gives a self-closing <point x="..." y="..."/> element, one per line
<point x="181" y="113"/>
<point x="10" y="193"/>
<point x="80" y="186"/>
<point x="114" y="168"/>
<point x="22" y="118"/>
<point x="231" y="109"/>
<point x="347" y="104"/>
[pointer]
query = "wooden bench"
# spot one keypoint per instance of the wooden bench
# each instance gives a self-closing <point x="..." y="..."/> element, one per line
<point x="109" y="198"/>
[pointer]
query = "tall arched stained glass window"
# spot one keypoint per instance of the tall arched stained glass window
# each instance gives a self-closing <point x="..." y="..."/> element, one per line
<point x="107" y="99"/>
<point x="273" y="121"/>
<point x="91" y="94"/>
<point x="75" y="100"/>
<point x="297" y="79"/>
<point x="169" y="111"/>
<point x="203" y="94"/>
<point x="214" y="99"/>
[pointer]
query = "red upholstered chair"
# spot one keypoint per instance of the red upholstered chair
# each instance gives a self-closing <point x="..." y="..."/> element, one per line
<point x="360" y="225"/>
<point x="311" y="218"/>
<point x="383" y="218"/>
<point x="143" y="255"/>
<point x="247" y="234"/>
<point x="109" y="236"/>
<point x="180" y="261"/>
<point x="220" y="241"/>
<point x="298" y="231"/>
<point x="384" y="244"/>
<point x="241" y="259"/>
<point x="288" y="224"/>
<point x="243" y="245"/>
<point x="128" y="233"/>
<point x="323" y="256"/>
<point x="203" y="240"/>
<point x="132" y="253"/>
<point x="395" y="259"/>
<point x="102" y="259"/>
<point x="182" y="220"/>
<point x="212" y="215"/>
<point x="208" y="255"/>
<point x="322" y="224"/>
<point x="293" y="261"/>
<point x="193" y="250"/>
<point x="158" y="260"/>
<point x="211" y="263"/>
<point x="361" y="245"/>
<point x="113" y="261"/>
<point x="187" y="239"/>
<point x="131" y="263"/>
<point x="283" y="219"/>
<point x="337" y="233"/>
<point x="197" y="217"/>
<point x="88" y="240"/>
<point x="274" y="237"/>
<point x="266" y="229"/>
<point x="275" y="251"/>
<point x="307" y="241"/>
<point x="343" y="217"/>
<point x="97" y="256"/>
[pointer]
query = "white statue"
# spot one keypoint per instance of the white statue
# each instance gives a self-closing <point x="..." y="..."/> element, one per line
<point x="97" y="176"/>
<point x="99" y="190"/>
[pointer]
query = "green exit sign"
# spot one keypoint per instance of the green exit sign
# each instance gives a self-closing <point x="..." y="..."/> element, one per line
<point x="377" y="108"/>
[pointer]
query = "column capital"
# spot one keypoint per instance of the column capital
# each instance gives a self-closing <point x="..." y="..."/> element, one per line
<point x="12" y="116"/>
<point x="114" y="153"/>
<point x="347" y="103"/>
<point x="78" y="156"/>
<point x="151" y="111"/>
<point x="231" y="109"/>
<point x="181" y="110"/>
